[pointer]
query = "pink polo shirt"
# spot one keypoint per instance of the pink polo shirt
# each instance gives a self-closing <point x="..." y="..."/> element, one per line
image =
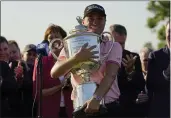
<point x="115" y="56"/>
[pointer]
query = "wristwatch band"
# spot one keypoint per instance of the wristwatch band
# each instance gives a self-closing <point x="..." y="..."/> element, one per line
<point x="98" y="98"/>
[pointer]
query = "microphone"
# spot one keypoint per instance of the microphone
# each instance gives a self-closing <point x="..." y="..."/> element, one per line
<point x="42" y="49"/>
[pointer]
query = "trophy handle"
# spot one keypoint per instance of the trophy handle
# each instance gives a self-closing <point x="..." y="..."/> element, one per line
<point x="80" y="27"/>
<point x="58" y="46"/>
<point x="113" y="40"/>
<point x="79" y="19"/>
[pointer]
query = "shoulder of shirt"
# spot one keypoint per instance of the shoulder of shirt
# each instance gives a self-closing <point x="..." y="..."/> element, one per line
<point x="114" y="43"/>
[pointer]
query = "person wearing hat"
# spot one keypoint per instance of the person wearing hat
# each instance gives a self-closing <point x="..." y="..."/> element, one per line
<point x="130" y="76"/>
<point x="29" y="55"/>
<point x="107" y="91"/>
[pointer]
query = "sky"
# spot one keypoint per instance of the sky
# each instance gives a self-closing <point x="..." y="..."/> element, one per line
<point x="27" y="21"/>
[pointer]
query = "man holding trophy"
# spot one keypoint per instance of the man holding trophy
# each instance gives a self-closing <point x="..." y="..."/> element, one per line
<point x="93" y="63"/>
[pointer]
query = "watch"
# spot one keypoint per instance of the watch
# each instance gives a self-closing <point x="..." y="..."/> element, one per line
<point x="98" y="98"/>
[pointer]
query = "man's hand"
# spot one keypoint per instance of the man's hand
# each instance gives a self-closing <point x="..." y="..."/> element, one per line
<point x="142" y="97"/>
<point x="129" y="62"/>
<point x="86" y="54"/>
<point x="166" y="73"/>
<point x="92" y="106"/>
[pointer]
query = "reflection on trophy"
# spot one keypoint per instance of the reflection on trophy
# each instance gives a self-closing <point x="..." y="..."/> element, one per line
<point x="77" y="38"/>
<point x="55" y="45"/>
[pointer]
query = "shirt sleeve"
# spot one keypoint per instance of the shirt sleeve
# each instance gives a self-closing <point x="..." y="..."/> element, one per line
<point x="115" y="56"/>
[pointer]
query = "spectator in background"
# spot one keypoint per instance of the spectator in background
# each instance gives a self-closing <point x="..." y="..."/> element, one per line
<point x="54" y="97"/>
<point x="29" y="55"/>
<point x="53" y="31"/>
<point x="144" y="53"/>
<point x="12" y="73"/>
<point x="130" y="77"/>
<point x="15" y="54"/>
<point x="158" y="80"/>
<point x="142" y="99"/>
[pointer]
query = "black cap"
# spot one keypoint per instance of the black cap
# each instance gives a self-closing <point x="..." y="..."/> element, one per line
<point x="118" y="28"/>
<point x="29" y="47"/>
<point x="94" y="8"/>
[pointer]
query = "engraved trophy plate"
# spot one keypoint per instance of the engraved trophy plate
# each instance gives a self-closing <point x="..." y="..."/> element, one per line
<point x="75" y="43"/>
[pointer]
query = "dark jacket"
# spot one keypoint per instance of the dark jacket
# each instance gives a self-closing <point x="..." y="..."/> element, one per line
<point x="10" y="95"/>
<point x="24" y="90"/>
<point x="130" y="85"/>
<point x="7" y="86"/>
<point x="158" y="86"/>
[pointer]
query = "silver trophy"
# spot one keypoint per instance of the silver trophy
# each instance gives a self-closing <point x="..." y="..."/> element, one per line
<point x="77" y="38"/>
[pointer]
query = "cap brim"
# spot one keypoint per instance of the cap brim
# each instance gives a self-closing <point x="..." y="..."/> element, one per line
<point x="34" y="50"/>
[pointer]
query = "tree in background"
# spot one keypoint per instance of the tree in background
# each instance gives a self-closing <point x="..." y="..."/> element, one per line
<point x="161" y="13"/>
<point x="149" y="45"/>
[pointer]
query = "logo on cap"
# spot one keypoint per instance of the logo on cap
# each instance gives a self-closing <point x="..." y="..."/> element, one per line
<point x="94" y="7"/>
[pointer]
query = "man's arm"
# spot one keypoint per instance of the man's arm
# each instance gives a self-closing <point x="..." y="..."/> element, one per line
<point x="52" y="90"/>
<point x="107" y="81"/>
<point x="112" y="66"/>
<point x="62" y="67"/>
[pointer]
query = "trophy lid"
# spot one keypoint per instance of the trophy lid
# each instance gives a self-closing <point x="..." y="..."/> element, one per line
<point x="80" y="27"/>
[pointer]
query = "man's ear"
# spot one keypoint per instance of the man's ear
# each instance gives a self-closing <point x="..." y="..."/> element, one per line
<point x="83" y="21"/>
<point x="21" y="54"/>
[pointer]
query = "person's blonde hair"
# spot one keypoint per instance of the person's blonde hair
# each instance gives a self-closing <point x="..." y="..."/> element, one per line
<point x="146" y="50"/>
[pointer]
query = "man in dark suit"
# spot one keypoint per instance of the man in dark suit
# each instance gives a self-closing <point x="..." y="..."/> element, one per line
<point x="158" y="80"/>
<point x="130" y="77"/>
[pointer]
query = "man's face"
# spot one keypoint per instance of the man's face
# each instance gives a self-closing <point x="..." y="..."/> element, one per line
<point x="30" y="57"/>
<point x="95" y="22"/>
<point x="54" y="34"/>
<point x="120" y="38"/>
<point x="144" y="60"/>
<point x="4" y="51"/>
<point x="168" y="34"/>
<point x="14" y="52"/>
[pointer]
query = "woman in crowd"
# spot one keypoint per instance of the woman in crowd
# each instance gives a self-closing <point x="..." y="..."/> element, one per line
<point x="14" y="50"/>
<point x="53" y="31"/>
<point x="54" y="97"/>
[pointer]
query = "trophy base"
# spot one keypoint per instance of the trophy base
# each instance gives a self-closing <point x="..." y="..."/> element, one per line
<point x="85" y="92"/>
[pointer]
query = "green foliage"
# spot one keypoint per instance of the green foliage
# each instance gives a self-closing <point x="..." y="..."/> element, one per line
<point x="161" y="44"/>
<point x="161" y="33"/>
<point x="161" y="12"/>
<point x="149" y="45"/>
